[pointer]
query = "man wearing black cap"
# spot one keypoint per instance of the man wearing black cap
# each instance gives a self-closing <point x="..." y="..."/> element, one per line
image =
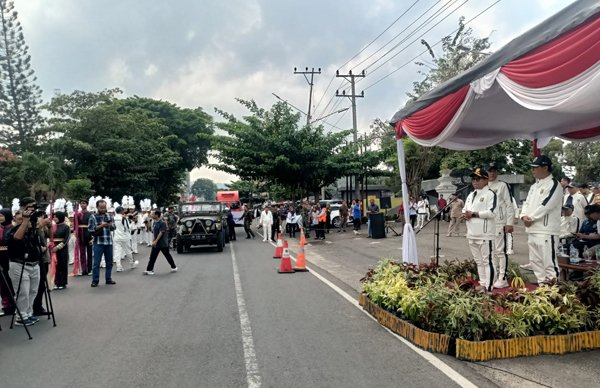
<point x="25" y="253"/>
<point x="541" y="216"/>
<point x="480" y="219"/>
<point x="505" y="214"/>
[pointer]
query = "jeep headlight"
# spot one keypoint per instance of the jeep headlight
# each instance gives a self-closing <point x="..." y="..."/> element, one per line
<point x="189" y="223"/>
<point x="208" y="223"/>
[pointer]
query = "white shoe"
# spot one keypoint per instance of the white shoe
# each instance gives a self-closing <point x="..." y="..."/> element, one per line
<point x="174" y="269"/>
<point x="264" y="240"/>
<point x="526" y="266"/>
<point x="120" y="269"/>
<point x="510" y="252"/>
<point x="148" y="273"/>
<point x="135" y="264"/>
<point x="501" y="284"/>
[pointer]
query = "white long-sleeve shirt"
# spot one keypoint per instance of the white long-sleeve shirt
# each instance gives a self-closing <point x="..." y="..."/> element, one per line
<point x="505" y="212"/>
<point x="483" y="227"/>
<point x="543" y="206"/>
<point x="122" y="228"/>
<point x="569" y="225"/>
<point x="266" y="218"/>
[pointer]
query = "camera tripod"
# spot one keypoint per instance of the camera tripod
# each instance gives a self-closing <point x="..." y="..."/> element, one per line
<point x="14" y="297"/>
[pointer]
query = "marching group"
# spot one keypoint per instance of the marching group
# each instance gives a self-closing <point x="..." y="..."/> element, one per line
<point x="92" y="237"/>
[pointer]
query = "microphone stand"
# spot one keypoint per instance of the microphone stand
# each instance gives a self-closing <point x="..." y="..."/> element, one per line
<point x="436" y="227"/>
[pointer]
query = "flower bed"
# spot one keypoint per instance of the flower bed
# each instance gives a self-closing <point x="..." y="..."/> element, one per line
<point x="442" y="301"/>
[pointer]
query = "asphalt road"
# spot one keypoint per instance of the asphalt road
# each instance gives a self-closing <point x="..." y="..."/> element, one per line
<point x="224" y="320"/>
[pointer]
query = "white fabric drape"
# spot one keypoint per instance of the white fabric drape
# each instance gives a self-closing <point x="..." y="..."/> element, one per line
<point x="409" y="241"/>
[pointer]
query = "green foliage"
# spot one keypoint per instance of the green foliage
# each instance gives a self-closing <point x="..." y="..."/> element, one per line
<point x="20" y="120"/>
<point x="435" y="300"/>
<point x="270" y="146"/>
<point x="77" y="189"/>
<point x="205" y="188"/>
<point x="584" y="159"/>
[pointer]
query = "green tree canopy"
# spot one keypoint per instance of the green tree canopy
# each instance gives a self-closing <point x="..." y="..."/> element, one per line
<point x="205" y="188"/>
<point x="20" y="97"/>
<point x="270" y="146"/>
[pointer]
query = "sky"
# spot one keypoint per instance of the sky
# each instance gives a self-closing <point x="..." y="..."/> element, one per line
<point x="207" y="53"/>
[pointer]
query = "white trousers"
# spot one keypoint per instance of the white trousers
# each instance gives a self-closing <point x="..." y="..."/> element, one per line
<point x="542" y="256"/>
<point x="421" y="217"/>
<point x="71" y="245"/>
<point x="500" y="256"/>
<point x="121" y="250"/>
<point x="266" y="231"/>
<point x="482" y="251"/>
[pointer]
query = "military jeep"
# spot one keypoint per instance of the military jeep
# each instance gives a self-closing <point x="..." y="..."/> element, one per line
<point x="200" y="223"/>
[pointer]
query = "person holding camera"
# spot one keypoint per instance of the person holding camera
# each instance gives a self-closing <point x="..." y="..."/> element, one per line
<point x="6" y="291"/>
<point x="25" y="253"/>
<point x="101" y="226"/>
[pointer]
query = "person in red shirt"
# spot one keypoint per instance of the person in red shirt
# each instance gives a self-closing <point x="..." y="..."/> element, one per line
<point x="441" y="205"/>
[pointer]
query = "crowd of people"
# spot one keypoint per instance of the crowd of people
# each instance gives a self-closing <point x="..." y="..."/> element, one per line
<point x="36" y="249"/>
<point x="558" y="217"/>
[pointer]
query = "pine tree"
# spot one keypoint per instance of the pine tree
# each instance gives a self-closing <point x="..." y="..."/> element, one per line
<point x="20" y="97"/>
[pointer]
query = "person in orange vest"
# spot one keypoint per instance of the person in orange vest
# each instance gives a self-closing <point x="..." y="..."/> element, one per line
<point x="322" y="222"/>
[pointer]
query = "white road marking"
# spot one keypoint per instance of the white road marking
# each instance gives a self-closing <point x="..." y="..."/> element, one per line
<point x="253" y="377"/>
<point x="431" y="358"/>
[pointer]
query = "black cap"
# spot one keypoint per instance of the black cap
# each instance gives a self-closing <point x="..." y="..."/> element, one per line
<point x="479" y="173"/>
<point x="541" y="160"/>
<point x="492" y="166"/>
<point x="571" y="185"/>
<point x="583" y="186"/>
<point x="568" y="206"/>
<point x="594" y="208"/>
<point x="26" y="201"/>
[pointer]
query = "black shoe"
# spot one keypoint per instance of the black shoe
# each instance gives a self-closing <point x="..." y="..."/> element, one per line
<point x="94" y="284"/>
<point x="41" y="312"/>
<point x="110" y="281"/>
<point x="247" y="238"/>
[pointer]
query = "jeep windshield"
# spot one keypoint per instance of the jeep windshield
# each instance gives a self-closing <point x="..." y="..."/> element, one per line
<point x="201" y="208"/>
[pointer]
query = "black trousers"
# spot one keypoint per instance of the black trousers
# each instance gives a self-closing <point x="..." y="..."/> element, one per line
<point x="62" y="267"/>
<point x="231" y="228"/>
<point x="274" y="231"/>
<point x="37" y="301"/>
<point x="154" y="255"/>
<point x="249" y="232"/>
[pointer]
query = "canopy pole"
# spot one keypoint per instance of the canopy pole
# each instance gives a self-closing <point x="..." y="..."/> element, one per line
<point x="536" y="151"/>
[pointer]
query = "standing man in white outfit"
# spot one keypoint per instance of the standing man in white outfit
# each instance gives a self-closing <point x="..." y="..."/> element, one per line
<point x="479" y="213"/>
<point x="121" y="240"/>
<point x="541" y="216"/>
<point x="505" y="214"/>
<point x="266" y="220"/>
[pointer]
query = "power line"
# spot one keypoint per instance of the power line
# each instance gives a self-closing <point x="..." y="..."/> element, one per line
<point x="414" y="31"/>
<point x="370" y="43"/>
<point x="311" y="84"/>
<point x="437" y="43"/>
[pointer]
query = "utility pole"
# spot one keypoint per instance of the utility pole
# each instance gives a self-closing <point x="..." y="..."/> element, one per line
<point x="305" y="73"/>
<point x="352" y="79"/>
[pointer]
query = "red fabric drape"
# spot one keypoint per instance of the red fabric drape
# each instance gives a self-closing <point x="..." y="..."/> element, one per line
<point x="398" y="130"/>
<point x="431" y="121"/>
<point x="558" y="60"/>
<point x="583" y="134"/>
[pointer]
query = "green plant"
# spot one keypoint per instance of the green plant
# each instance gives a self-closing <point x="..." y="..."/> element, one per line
<point x="469" y="316"/>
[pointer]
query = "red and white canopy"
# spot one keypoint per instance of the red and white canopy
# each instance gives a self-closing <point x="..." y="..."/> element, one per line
<point x="544" y="83"/>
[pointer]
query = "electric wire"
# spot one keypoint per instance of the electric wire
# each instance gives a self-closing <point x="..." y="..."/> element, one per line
<point x="370" y="43"/>
<point x="426" y="50"/>
<point x="430" y="19"/>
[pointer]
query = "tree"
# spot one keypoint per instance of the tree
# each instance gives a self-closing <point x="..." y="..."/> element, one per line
<point x="42" y="175"/>
<point x="270" y="146"/>
<point x="205" y="188"/>
<point x="20" y="120"/>
<point x="584" y="159"/>
<point x="78" y="188"/>
<point x="459" y="52"/>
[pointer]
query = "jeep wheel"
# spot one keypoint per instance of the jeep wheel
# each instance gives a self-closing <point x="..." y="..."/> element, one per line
<point x="179" y="246"/>
<point x="220" y="243"/>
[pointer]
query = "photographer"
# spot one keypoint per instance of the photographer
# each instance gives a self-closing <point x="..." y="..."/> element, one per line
<point x="25" y="253"/>
<point x="8" y="305"/>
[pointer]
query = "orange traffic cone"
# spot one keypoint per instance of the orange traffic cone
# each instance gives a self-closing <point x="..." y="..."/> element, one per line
<point x="301" y="259"/>
<point x="278" y="247"/>
<point x="286" y="262"/>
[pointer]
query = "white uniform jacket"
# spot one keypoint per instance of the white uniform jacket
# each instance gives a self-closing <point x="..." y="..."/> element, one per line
<point x="505" y="211"/>
<point x="543" y="206"/>
<point x="122" y="228"/>
<point x="483" y="202"/>
<point x="568" y="226"/>
<point x="266" y="218"/>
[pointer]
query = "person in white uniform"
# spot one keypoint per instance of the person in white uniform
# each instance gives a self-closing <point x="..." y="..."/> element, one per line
<point x="541" y="216"/>
<point x="266" y="220"/>
<point x="505" y="214"/>
<point x="479" y="213"/>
